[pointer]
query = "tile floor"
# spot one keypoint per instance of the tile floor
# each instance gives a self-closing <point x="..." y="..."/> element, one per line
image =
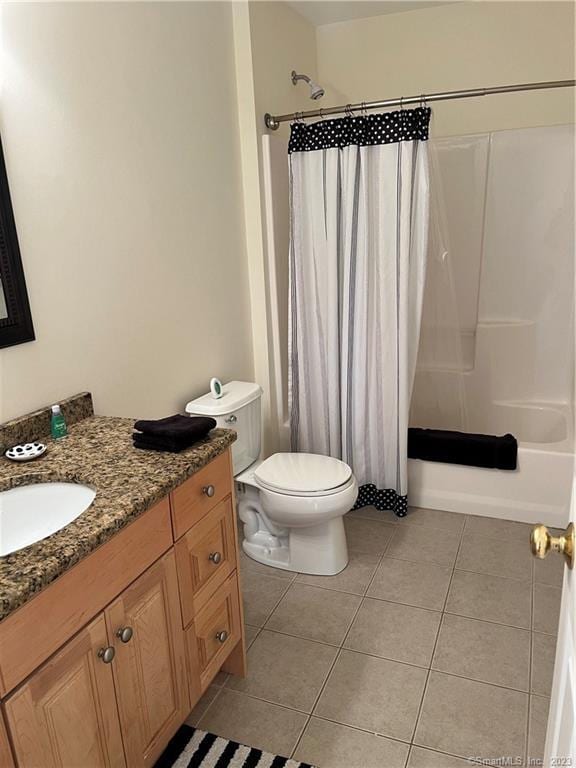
<point x="435" y="644"/>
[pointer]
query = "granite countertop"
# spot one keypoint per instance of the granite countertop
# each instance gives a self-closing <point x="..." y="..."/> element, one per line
<point x="97" y="452"/>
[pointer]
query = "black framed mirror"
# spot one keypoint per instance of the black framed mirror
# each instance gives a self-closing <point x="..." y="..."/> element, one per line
<point x="15" y="318"/>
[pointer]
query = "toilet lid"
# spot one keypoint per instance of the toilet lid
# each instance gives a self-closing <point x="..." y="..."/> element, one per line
<point x="302" y="473"/>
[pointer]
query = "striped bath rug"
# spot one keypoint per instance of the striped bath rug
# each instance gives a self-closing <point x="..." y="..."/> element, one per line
<point x="192" y="748"/>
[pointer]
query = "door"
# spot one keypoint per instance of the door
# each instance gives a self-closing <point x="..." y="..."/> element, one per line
<point x="560" y="749"/>
<point x="145" y="627"/>
<point x="65" y="714"/>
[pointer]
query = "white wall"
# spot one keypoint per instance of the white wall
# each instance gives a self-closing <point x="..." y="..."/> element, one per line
<point x="457" y="46"/>
<point x="120" y="129"/>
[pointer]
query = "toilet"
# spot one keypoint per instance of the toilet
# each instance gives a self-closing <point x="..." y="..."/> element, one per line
<point x="291" y="504"/>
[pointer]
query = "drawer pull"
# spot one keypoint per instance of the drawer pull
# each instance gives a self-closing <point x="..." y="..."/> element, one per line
<point x="231" y="419"/>
<point x="222" y="636"/>
<point x="208" y="490"/>
<point x="125" y="634"/>
<point x="215" y="557"/>
<point x="107" y="654"/>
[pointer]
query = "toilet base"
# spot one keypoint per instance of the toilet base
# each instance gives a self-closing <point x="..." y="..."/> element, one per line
<point x="318" y="550"/>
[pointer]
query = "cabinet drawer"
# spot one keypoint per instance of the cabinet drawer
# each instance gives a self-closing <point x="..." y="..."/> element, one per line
<point x="215" y="632"/>
<point x="191" y="500"/>
<point x="205" y="556"/>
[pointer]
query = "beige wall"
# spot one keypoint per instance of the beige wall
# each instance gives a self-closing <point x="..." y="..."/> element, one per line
<point x="457" y="46"/>
<point x="119" y="123"/>
<point x="271" y="40"/>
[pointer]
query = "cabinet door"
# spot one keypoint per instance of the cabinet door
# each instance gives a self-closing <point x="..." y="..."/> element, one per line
<point x="145" y="627"/>
<point x="65" y="715"/>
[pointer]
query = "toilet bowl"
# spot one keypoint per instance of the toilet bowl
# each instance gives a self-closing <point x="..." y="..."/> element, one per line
<point x="291" y="505"/>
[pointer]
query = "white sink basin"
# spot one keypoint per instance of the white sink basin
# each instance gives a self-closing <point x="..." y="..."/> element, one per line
<point x="29" y="513"/>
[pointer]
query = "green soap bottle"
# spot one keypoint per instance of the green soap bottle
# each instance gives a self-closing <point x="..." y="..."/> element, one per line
<point x="58" y="426"/>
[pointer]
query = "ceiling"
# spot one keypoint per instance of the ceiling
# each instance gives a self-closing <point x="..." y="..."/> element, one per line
<point x="329" y="11"/>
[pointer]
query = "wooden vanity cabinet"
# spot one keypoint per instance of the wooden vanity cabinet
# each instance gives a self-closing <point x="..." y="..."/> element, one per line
<point x="118" y="690"/>
<point x="149" y="666"/>
<point x="65" y="714"/>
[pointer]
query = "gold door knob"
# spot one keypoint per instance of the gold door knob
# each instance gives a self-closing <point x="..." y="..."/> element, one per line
<point x="541" y="542"/>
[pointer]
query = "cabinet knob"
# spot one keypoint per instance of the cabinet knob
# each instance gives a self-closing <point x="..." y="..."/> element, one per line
<point x="125" y="634"/>
<point x="231" y="419"/>
<point x="215" y="557"/>
<point x="107" y="654"/>
<point x="208" y="490"/>
<point x="222" y="636"/>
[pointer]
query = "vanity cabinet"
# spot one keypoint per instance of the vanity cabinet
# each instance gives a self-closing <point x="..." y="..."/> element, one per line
<point x="66" y="714"/>
<point x="114" y="694"/>
<point x="149" y="665"/>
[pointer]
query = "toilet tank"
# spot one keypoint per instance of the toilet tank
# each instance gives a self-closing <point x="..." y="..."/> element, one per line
<point x="238" y="409"/>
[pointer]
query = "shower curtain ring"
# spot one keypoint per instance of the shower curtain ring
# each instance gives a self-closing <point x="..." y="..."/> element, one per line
<point x="321" y="110"/>
<point x="363" y="109"/>
<point x="401" y="103"/>
<point x="348" y="110"/>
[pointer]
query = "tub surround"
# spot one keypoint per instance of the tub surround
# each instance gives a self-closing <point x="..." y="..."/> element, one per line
<point x="97" y="452"/>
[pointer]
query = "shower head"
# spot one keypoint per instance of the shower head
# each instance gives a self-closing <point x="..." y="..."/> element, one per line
<point x="316" y="91"/>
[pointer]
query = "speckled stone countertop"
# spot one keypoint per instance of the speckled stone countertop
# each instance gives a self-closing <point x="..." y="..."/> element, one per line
<point x="97" y="452"/>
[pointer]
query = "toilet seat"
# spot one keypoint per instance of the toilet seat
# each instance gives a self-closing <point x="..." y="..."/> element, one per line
<point x="303" y="474"/>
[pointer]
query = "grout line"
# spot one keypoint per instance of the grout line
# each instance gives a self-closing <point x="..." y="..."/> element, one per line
<point x="425" y="689"/>
<point x="321" y="691"/>
<point x="527" y="731"/>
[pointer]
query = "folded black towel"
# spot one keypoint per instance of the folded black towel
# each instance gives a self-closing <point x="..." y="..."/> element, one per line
<point x="173" y="434"/>
<point x="177" y="426"/>
<point x="463" y="448"/>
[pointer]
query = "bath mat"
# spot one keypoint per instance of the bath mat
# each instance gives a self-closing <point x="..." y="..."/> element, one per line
<point x="192" y="748"/>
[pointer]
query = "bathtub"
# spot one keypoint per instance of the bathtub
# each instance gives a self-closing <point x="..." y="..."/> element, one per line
<point x="538" y="491"/>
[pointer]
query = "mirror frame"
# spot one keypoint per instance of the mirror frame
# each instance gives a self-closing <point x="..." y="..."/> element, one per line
<point x="17" y="327"/>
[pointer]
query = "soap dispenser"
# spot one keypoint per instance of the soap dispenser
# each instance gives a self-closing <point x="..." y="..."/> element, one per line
<point x="58" y="426"/>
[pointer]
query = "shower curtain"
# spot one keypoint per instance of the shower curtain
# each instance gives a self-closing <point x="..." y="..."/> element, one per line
<point x="359" y="199"/>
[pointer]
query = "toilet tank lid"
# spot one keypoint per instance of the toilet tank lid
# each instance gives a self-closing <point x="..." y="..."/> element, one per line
<point x="235" y="394"/>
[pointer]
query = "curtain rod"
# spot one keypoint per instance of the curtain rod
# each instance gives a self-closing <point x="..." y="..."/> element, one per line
<point x="273" y="121"/>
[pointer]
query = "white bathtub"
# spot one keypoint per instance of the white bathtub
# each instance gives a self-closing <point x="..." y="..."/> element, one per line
<point x="537" y="491"/>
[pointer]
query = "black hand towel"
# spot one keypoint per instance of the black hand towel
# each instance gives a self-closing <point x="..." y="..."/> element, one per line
<point x="177" y="427"/>
<point x="463" y="448"/>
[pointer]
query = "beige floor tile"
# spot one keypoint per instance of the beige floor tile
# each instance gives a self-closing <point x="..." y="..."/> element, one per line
<point x="367" y="535"/>
<point x="394" y="631"/>
<point x="498" y="528"/>
<point x="255" y="723"/>
<point x="374" y="694"/>
<point x="483" y="651"/>
<point x="285" y="670"/>
<point x="549" y="571"/>
<point x="261" y="594"/>
<point x="354" y="578"/>
<point x="546" y="608"/>
<point x="435" y="518"/>
<point x="200" y="709"/>
<point x="331" y="745"/>
<point x="315" y="613"/>
<point x="490" y="598"/>
<point x="538" y="722"/>
<point x="543" y="654"/>
<point x="419" y="584"/>
<point x="467" y="718"/>
<point x="425" y="758"/>
<point x="496" y="557"/>
<point x="371" y="513"/>
<point x="250" y="633"/>
<point x="247" y="564"/>
<point x="424" y="545"/>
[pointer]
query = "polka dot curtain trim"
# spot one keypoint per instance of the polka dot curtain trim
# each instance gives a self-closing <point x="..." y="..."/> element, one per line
<point x="385" y="498"/>
<point x="362" y="131"/>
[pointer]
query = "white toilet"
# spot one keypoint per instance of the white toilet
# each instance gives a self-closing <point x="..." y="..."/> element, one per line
<point x="291" y="504"/>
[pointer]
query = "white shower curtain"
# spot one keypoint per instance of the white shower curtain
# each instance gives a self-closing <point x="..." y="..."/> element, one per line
<point x="359" y="231"/>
